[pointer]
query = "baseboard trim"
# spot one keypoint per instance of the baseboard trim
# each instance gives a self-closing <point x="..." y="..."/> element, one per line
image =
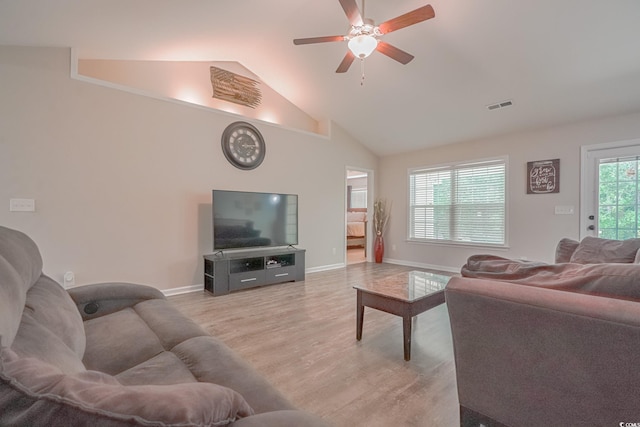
<point x="325" y="268"/>
<point x="183" y="290"/>
<point x="389" y="261"/>
<point x="422" y="265"/>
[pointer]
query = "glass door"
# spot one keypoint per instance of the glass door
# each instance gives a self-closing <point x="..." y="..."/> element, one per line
<point x="610" y="191"/>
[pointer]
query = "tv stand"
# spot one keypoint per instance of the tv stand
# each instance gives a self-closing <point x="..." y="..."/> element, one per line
<point x="232" y="271"/>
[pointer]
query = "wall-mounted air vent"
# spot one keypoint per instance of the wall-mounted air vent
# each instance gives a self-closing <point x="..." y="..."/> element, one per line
<point x="503" y="104"/>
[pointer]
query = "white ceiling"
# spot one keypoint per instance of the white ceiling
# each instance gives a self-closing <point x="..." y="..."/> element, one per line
<point x="558" y="60"/>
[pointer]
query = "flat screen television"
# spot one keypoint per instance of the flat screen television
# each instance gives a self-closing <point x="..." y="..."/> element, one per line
<point x="244" y="219"/>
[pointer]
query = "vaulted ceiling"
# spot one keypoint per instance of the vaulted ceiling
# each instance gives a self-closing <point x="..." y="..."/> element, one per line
<point x="558" y="61"/>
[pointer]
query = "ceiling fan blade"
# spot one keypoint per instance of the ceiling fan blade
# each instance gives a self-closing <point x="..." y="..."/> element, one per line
<point x="346" y="62"/>
<point x="421" y="14"/>
<point x="394" y="53"/>
<point x="318" y="40"/>
<point x="353" y="13"/>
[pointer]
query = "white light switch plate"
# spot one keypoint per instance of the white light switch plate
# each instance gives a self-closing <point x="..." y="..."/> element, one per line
<point x="564" y="210"/>
<point x="22" y="205"/>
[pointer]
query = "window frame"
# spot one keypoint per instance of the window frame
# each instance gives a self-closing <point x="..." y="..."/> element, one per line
<point x="589" y="192"/>
<point x="459" y="165"/>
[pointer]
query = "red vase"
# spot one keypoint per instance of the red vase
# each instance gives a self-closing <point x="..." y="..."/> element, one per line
<point x="378" y="248"/>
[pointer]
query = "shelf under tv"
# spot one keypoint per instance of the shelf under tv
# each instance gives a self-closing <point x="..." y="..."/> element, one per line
<point x="226" y="272"/>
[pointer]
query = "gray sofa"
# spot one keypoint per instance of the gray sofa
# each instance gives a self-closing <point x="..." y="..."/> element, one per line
<point x="549" y="344"/>
<point x="117" y="355"/>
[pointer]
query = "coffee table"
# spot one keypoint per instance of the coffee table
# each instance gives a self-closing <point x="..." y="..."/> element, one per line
<point x="405" y="294"/>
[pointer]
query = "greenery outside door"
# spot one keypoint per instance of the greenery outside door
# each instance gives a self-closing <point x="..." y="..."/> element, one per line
<point x="611" y="191"/>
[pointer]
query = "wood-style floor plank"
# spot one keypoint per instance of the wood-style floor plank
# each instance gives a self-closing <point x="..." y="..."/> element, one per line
<point x="302" y="337"/>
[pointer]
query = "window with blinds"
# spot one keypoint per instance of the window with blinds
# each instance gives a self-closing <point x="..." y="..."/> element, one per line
<point x="359" y="198"/>
<point x="464" y="203"/>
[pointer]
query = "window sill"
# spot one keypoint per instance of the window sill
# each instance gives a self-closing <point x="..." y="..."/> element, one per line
<point x="452" y="243"/>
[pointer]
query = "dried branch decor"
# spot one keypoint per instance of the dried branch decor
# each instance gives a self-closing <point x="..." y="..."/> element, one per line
<point x="235" y="88"/>
<point x="381" y="213"/>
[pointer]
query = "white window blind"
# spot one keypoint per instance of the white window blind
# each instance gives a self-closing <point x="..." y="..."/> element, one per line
<point x="459" y="203"/>
<point x="359" y="198"/>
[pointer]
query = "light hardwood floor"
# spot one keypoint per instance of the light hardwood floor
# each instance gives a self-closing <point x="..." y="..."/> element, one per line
<point x="301" y="336"/>
<point x="355" y="255"/>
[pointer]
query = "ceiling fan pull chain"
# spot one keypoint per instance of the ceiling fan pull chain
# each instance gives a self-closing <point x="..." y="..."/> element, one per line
<point x="362" y="71"/>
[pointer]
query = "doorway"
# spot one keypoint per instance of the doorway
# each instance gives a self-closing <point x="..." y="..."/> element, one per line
<point x="610" y="204"/>
<point x="357" y="224"/>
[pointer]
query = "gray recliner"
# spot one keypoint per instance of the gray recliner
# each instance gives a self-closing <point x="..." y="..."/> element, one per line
<point x="117" y="354"/>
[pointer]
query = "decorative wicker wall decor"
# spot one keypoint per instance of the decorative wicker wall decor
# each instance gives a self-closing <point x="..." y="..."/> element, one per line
<point x="234" y="88"/>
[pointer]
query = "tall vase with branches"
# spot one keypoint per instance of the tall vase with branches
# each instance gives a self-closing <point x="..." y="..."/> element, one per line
<point x="381" y="214"/>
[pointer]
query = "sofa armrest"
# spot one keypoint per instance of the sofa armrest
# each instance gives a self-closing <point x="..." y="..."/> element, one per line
<point x="527" y="355"/>
<point x="105" y="298"/>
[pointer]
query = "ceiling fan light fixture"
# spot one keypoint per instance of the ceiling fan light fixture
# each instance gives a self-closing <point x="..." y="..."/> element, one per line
<point x="364" y="36"/>
<point x="363" y="45"/>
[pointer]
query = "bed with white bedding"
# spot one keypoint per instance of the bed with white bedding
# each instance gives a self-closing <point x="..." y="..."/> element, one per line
<point x="357" y="229"/>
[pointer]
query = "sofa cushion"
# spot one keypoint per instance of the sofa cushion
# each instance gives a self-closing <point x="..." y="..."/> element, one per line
<point x="222" y="366"/>
<point x="35" y="340"/>
<point x="22" y="254"/>
<point x="35" y="393"/>
<point x="156" y="344"/>
<point x="566" y="247"/>
<point x="619" y="280"/>
<point x="119" y="341"/>
<point x="138" y="334"/>
<point x="168" y="323"/>
<point x="593" y="250"/>
<point x="51" y="328"/>
<point x="12" y="298"/>
<point x="50" y="305"/>
<point x="165" y="368"/>
<point x="20" y="267"/>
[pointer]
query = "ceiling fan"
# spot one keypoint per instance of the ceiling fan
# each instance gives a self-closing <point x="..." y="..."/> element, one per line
<point x="364" y="35"/>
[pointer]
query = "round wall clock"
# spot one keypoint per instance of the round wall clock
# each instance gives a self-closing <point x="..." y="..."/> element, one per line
<point x="243" y="145"/>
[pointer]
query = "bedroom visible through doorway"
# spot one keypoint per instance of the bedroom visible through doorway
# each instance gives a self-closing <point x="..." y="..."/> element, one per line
<point x="357" y="220"/>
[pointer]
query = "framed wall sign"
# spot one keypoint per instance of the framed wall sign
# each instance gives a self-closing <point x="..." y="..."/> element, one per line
<point x="543" y="177"/>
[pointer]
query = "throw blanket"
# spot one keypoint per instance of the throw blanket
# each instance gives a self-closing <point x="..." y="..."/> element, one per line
<point x="607" y="279"/>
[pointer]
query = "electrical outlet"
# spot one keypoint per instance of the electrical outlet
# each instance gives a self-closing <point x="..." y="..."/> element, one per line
<point x="22" y="205"/>
<point x="69" y="279"/>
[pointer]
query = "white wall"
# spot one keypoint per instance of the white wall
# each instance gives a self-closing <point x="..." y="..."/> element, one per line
<point x="533" y="227"/>
<point x="123" y="183"/>
<point x="191" y="82"/>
